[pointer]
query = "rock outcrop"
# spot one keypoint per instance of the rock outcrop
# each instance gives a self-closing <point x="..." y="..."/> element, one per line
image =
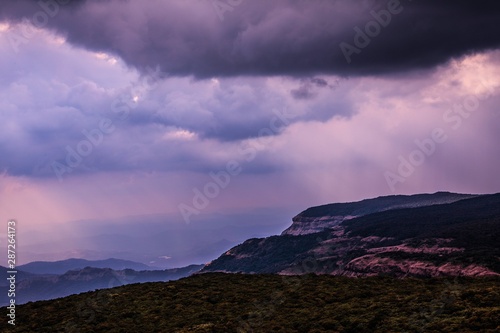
<point x="441" y="234"/>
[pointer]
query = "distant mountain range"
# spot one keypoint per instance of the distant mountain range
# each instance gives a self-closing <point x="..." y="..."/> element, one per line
<point x="440" y="234"/>
<point x="62" y="266"/>
<point x="165" y="241"/>
<point x="44" y="282"/>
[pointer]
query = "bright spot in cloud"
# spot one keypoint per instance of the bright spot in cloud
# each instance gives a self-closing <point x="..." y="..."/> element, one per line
<point x="106" y="57"/>
<point x="179" y="134"/>
<point x="215" y="82"/>
<point x="58" y="40"/>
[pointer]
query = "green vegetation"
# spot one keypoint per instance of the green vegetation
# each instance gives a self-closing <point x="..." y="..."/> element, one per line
<point x="268" y="255"/>
<point x="217" y="302"/>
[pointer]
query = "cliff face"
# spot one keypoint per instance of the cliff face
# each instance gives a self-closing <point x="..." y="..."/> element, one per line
<point x="303" y="225"/>
<point x="434" y="235"/>
<point x="319" y="218"/>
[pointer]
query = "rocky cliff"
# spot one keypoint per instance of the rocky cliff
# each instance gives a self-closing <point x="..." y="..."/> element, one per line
<point x="319" y="218"/>
<point x="441" y="234"/>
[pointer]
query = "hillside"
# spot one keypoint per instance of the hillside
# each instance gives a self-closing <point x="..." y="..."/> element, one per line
<point x="270" y="303"/>
<point x="430" y="239"/>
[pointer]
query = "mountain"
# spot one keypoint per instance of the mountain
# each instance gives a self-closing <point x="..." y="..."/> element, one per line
<point x="62" y="266"/>
<point x="441" y="234"/>
<point x="38" y="287"/>
<point x="319" y="218"/>
<point x="221" y="303"/>
<point x="20" y="275"/>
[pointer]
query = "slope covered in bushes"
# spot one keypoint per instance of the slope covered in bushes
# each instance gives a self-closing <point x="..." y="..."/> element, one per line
<point x="217" y="302"/>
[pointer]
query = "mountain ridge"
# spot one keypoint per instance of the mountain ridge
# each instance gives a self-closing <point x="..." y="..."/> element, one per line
<point x="322" y="217"/>
<point x="63" y="266"/>
<point x="44" y="287"/>
<point x="441" y="239"/>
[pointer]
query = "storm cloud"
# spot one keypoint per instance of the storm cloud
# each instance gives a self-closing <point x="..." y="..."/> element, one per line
<point x="215" y="38"/>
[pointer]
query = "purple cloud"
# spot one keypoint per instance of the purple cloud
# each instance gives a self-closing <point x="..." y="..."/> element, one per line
<point x="282" y="37"/>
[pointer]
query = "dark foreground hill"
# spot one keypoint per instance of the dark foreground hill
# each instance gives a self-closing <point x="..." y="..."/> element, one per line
<point x="217" y="302"/>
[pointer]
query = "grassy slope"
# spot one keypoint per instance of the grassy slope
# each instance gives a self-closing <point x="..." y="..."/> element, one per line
<point x="219" y="302"/>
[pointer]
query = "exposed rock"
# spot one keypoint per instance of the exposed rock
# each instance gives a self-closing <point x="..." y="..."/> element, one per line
<point x="433" y="238"/>
<point x="319" y="218"/>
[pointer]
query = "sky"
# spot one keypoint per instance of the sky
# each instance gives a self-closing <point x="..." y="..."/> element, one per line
<point x="206" y="122"/>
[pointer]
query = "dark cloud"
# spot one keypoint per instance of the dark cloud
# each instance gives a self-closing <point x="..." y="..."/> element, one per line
<point x="281" y="37"/>
<point x="303" y="92"/>
<point x="319" y="82"/>
<point x="307" y="87"/>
